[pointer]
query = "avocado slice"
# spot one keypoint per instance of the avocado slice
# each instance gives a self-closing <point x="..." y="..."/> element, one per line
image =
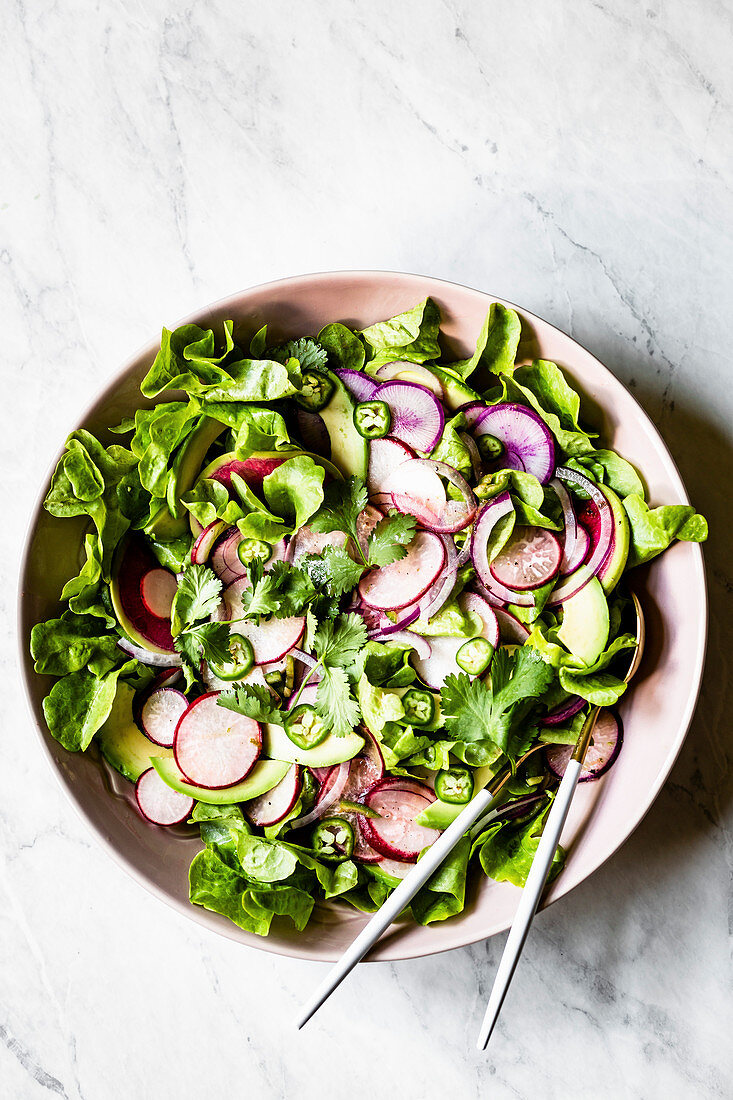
<point x="120" y="741"/>
<point x="584" y="629"/>
<point x="349" y="451"/>
<point x="440" y="814"/>
<point x="265" y="775"/>
<point x="612" y="569"/>
<point x="333" y="750"/>
<point x="171" y="520"/>
<point x="455" y="390"/>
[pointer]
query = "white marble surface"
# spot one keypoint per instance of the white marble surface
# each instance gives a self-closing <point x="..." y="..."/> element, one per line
<point x="572" y="157"/>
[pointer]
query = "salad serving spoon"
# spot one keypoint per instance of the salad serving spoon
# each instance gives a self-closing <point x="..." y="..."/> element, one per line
<point x="546" y="849"/>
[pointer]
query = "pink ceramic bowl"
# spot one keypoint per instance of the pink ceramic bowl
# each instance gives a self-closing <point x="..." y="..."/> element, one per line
<point x="656" y="713"/>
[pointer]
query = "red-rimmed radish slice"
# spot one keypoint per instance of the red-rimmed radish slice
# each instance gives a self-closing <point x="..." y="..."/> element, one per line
<point x="441" y="662"/>
<point x="602" y="538"/>
<point x="313" y="542"/>
<point x="133" y="562"/>
<point x="332" y="784"/>
<point x="365" y="769"/>
<point x="472" y="604"/>
<point x="157" y="589"/>
<point x="565" y="711"/>
<point x="404" y="371"/>
<point x="216" y="747"/>
<point x="158" y="803"/>
<point x="417" y="416"/>
<point x="394" y="833"/>
<point x="602" y="752"/>
<point x="360" y="385"/>
<point x="526" y="439"/>
<point x="394" y="586"/>
<point x="205" y="542"/>
<point x="397" y="868"/>
<point x="511" y="630"/>
<point x="384" y="455"/>
<point x="160" y="713"/>
<point x="227" y="564"/>
<point x="167" y="677"/>
<point x="213" y="683"/>
<point x="417" y="490"/>
<point x="529" y="559"/>
<point x="271" y="639"/>
<point x="486" y="521"/>
<point x="277" y="803"/>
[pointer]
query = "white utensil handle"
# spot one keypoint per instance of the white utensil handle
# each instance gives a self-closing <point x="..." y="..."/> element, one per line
<point x="401" y="896"/>
<point x="530" y="898"/>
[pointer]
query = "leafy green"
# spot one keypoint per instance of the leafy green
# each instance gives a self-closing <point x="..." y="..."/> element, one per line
<point x="653" y="529"/>
<point x="158" y="432"/>
<point x="84" y="592"/>
<point x="343" y="346"/>
<point x="387" y="541"/>
<point x="70" y="643"/>
<point x="254" y="427"/>
<point x="497" y="343"/>
<point x="217" y="886"/>
<point x="506" y="852"/>
<point x="294" y="490"/>
<point x="336" y="569"/>
<point x="197" y="597"/>
<point x="444" y="894"/>
<point x="336" y="644"/>
<point x="412" y="336"/>
<point x="255" y="701"/>
<point x="450" y="620"/>
<point x="451" y="448"/>
<point x="611" y="469"/>
<point x="78" y="705"/>
<point x="309" y="353"/>
<point x="343" y="502"/>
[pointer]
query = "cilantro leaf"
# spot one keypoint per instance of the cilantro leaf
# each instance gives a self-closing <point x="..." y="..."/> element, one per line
<point x="207" y="641"/>
<point x="197" y="597"/>
<point x="342" y="572"/>
<point x="308" y="352"/>
<point x="337" y="643"/>
<point x="477" y="711"/>
<point x="388" y="539"/>
<point x="335" y="701"/>
<point x="342" y="503"/>
<point x="254" y="701"/>
<point x="294" y="587"/>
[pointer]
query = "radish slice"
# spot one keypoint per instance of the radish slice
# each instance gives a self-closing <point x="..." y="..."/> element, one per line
<point x="441" y="662"/>
<point x="602" y="752"/>
<point x="486" y="520"/>
<point x="147" y="657"/>
<point x="566" y="710"/>
<point x="527" y="441"/>
<point x="403" y="582"/>
<point x="416" y="490"/>
<point x="405" y="371"/>
<point x="470" y="603"/>
<point x="158" y="803"/>
<point x="157" y="589"/>
<point x="439" y="592"/>
<point x="397" y="868"/>
<point x="314" y="433"/>
<point x="511" y="630"/>
<point x="394" y="833"/>
<point x="472" y="410"/>
<point x="271" y="639"/>
<point x="215" y="747"/>
<point x="417" y="416"/>
<point x="277" y="803"/>
<point x="364" y="771"/>
<point x="167" y="677"/>
<point x="160" y="713"/>
<point x="530" y="558"/>
<point x="312" y="542"/>
<point x="205" y="541"/>
<point x="384" y="455"/>
<point x="360" y="385"/>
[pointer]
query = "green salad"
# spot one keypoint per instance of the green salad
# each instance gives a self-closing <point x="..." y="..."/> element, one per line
<point x="329" y="588"/>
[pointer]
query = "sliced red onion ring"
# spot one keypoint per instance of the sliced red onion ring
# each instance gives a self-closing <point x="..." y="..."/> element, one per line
<point x="464" y="555"/>
<point x="146" y="657"/>
<point x="511" y="631"/>
<point x="477" y="466"/>
<point x="566" y="710"/>
<point x="604" y="543"/>
<point x="417" y="416"/>
<point x="575" y="545"/>
<point x="487" y="519"/>
<point x="439" y="593"/>
<point x="528" y="443"/>
<point x="308" y="661"/>
<point x="336" y="781"/>
<point x="360" y="385"/>
<point x="386" y="626"/>
<point x="204" y="543"/>
<point x="421" y="502"/>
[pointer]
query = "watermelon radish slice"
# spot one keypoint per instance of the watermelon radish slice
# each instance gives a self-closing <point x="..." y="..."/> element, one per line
<point x="394" y="833"/>
<point x="360" y="385"/>
<point x="252" y="470"/>
<point x="417" y="490"/>
<point x="277" y="803"/>
<point x="158" y="803"/>
<point x="602" y="752"/>
<point x="160" y="713"/>
<point x="417" y="415"/>
<point x="271" y="639"/>
<point x="472" y="410"/>
<point x="384" y="456"/>
<point x="215" y="747"/>
<point x="157" y="589"/>
<point x="530" y="558"/>
<point x="403" y="582"/>
<point x="527" y="441"/>
<point x="205" y="541"/>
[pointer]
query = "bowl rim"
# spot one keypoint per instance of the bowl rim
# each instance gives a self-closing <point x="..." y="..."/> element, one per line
<point x="452" y="936"/>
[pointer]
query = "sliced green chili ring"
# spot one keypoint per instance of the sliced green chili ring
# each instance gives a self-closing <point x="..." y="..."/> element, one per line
<point x="316" y="391"/>
<point x="357" y="808"/>
<point x="489" y="446"/>
<point x="305" y="727"/>
<point x="243" y="658"/>
<point x="333" y="839"/>
<point x="281" y="679"/>
<point x="454" y="785"/>
<point x="250" y="550"/>
<point x="475" y="656"/>
<point x="372" y="419"/>
<point x="419" y="707"/>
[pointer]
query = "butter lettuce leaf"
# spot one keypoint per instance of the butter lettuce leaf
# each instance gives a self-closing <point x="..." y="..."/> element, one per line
<point x="654" y="529"/>
<point x="497" y="343"/>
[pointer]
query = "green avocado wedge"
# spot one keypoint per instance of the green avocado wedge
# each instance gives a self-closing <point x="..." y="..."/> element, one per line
<point x="455" y="390"/>
<point x="333" y="750"/>
<point x="121" y="743"/>
<point x="612" y="569"/>
<point x="585" y="622"/>
<point x="349" y="450"/>
<point x="171" y="521"/>
<point x="265" y="775"/>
